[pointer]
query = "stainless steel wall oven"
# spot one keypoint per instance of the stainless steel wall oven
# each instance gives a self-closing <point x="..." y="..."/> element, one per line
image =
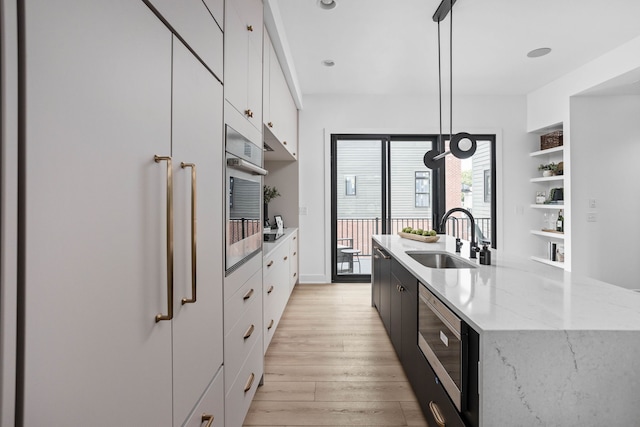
<point x="244" y="199"/>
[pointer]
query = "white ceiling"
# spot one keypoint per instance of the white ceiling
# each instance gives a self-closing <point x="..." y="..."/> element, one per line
<point x="390" y="47"/>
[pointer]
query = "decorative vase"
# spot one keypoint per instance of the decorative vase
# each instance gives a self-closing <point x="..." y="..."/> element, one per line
<point x="547" y="173"/>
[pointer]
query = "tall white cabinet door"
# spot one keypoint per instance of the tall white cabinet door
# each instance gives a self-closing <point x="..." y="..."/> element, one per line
<point x="98" y="97"/>
<point x="197" y="139"/>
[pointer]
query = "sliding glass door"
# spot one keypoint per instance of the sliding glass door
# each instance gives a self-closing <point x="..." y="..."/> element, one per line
<point x="380" y="185"/>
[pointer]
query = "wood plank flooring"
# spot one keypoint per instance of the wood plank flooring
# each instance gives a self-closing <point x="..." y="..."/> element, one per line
<point x="330" y="363"/>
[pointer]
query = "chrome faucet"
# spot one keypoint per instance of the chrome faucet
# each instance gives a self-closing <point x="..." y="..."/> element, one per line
<point x="474" y="246"/>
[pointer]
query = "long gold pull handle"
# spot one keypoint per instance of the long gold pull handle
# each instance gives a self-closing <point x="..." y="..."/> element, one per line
<point x="249" y="332"/>
<point x="249" y="383"/>
<point x="193" y="232"/>
<point x="270" y="289"/>
<point x="248" y="294"/>
<point x="207" y="417"/>
<point x="270" y="325"/>
<point x="169" y="315"/>
<point x="437" y="415"/>
<point x="270" y="263"/>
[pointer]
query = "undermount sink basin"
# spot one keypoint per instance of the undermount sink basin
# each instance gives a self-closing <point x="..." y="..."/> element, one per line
<point x="440" y="260"/>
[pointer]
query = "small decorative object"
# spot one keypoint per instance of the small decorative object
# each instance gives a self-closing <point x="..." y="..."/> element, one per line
<point x="549" y="169"/>
<point x="551" y="140"/>
<point x="427" y="236"/>
<point x="269" y="193"/>
<point x="540" y="197"/>
<point x="279" y="222"/>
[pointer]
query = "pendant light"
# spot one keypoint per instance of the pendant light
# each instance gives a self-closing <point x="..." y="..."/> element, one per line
<point x="462" y="145"/>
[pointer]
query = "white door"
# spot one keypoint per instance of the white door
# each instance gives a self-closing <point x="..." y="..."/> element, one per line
<point x="197" y="140"/>
<point x="98" y="97"/>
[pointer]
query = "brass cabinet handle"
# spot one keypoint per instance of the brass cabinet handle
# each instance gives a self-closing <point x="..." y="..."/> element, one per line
<point x="249" y="332"/>
<point x="295" y="237"/>
<point x="249" y="383"/>
<point x="286" y="258"/>
<point x="295" y="253"/>
<point x="284" y="142"/>
<point x="193" y="232"/>
<point x="295" y="274"/>
<point x="270" y="124"/>
<point x="169" y="314"/>
<point x="437" y="414"/>
<point x="249" y="113"/>
<point x="270" y="325"/>
<point x="270" y="263"/>
<point x="248" y="294"/>
<point x="270" y="289"/>
<point x="249" y="27"/>
<point x="207" y="417"/>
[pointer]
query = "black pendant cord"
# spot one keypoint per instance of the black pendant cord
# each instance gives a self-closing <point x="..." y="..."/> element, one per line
<point x="439" y="82"/>
<point x="451" y="76"/>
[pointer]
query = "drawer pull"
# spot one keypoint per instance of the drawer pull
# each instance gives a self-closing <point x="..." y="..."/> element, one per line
<point x="437" y="415"/>
<point x="270" y="325"/>
<point x="295" y="274"/>
<point x="249" y="332"/>
<point x="208" y="418"/>
<point x="295" y="237"/>
<point x="286" y="258"/>
<point x="249" y="27"/>
<point x="249" y="383"/>
<point x="284" y="142"/>
<point x="270" y="263"/>
<point x="295" y="253"/>
<point x="270" y="289"/>
<point x="270" y="124"/>
<point x="248" y="294"/>
<point x="248" y="113"/>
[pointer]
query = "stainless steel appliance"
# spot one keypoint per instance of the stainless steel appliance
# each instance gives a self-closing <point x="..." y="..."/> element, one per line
<point x="441" y="337"/>
<point x="244" y="199"/>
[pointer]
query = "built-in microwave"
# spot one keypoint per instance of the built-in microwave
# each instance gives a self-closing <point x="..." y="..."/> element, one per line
<point x="243" y="200"/>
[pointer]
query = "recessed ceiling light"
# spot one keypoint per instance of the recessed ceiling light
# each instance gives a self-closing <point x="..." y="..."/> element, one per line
<point x="328" y="62"/>
<point x="536" y="53"/>
<point x="327" y="4"/>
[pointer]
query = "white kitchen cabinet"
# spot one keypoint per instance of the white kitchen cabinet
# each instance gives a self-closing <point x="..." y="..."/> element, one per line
<point x="96" y="262"/>
<point x="211" y="407"/>
<point x="280" y="111"/>
<point x="293" y="260"/>
<point x="192" y="20"/>
<point x="243" y="58"/>
<point x="244" y="366"/>
<point x="277" y="285"/>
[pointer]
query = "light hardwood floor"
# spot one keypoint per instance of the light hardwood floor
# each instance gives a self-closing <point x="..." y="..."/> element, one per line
<point x="331" y="363"/>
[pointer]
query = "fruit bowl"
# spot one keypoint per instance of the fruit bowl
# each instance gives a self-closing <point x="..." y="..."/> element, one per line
<point x="418" y="237"/>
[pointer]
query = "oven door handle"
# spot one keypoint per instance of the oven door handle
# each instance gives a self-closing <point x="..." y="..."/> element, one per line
<point x="246" y="166"/>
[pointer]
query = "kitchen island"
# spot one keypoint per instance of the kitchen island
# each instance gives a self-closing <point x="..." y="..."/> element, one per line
<point x="554" y="349"/>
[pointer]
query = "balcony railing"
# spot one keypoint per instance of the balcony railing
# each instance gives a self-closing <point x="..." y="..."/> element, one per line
<point x="358" y="231"/>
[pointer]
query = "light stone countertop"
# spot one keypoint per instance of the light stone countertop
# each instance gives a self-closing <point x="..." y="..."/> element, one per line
<point x="555" y="349"/>
<point x="518" y="294"/>
<point x="269" y="247"/>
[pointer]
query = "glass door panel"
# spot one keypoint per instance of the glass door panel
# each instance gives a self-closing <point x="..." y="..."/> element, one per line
<point x="358" y="213"/>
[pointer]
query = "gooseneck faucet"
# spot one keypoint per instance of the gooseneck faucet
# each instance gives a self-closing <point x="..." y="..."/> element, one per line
<point x="474" y="245"/>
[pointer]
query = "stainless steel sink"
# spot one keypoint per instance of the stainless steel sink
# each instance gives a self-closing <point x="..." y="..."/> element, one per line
<point x="440" y="260"/>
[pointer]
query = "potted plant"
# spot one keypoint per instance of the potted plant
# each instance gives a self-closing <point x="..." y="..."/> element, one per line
<point x="269" y="193"/>
<point x="549" y="169"/>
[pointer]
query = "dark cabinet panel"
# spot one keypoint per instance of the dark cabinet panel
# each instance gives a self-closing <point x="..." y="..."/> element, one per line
<point x="382" y="285"/>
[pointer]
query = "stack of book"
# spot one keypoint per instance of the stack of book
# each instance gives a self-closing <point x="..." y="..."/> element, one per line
<point x="555" y="252"/>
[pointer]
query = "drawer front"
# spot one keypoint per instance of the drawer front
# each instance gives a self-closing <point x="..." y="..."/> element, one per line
<point x="236" y="306"/>
<point x="251" y="270"/>
<point x="241" y="392"/>
<point x="240" y="341"/>
<point x="274" y="260"/>
<point x="211" y="405"/>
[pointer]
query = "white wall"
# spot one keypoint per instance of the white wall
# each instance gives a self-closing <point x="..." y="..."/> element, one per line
<point x="326" y="114"/>
<point x="605" y="150"/>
